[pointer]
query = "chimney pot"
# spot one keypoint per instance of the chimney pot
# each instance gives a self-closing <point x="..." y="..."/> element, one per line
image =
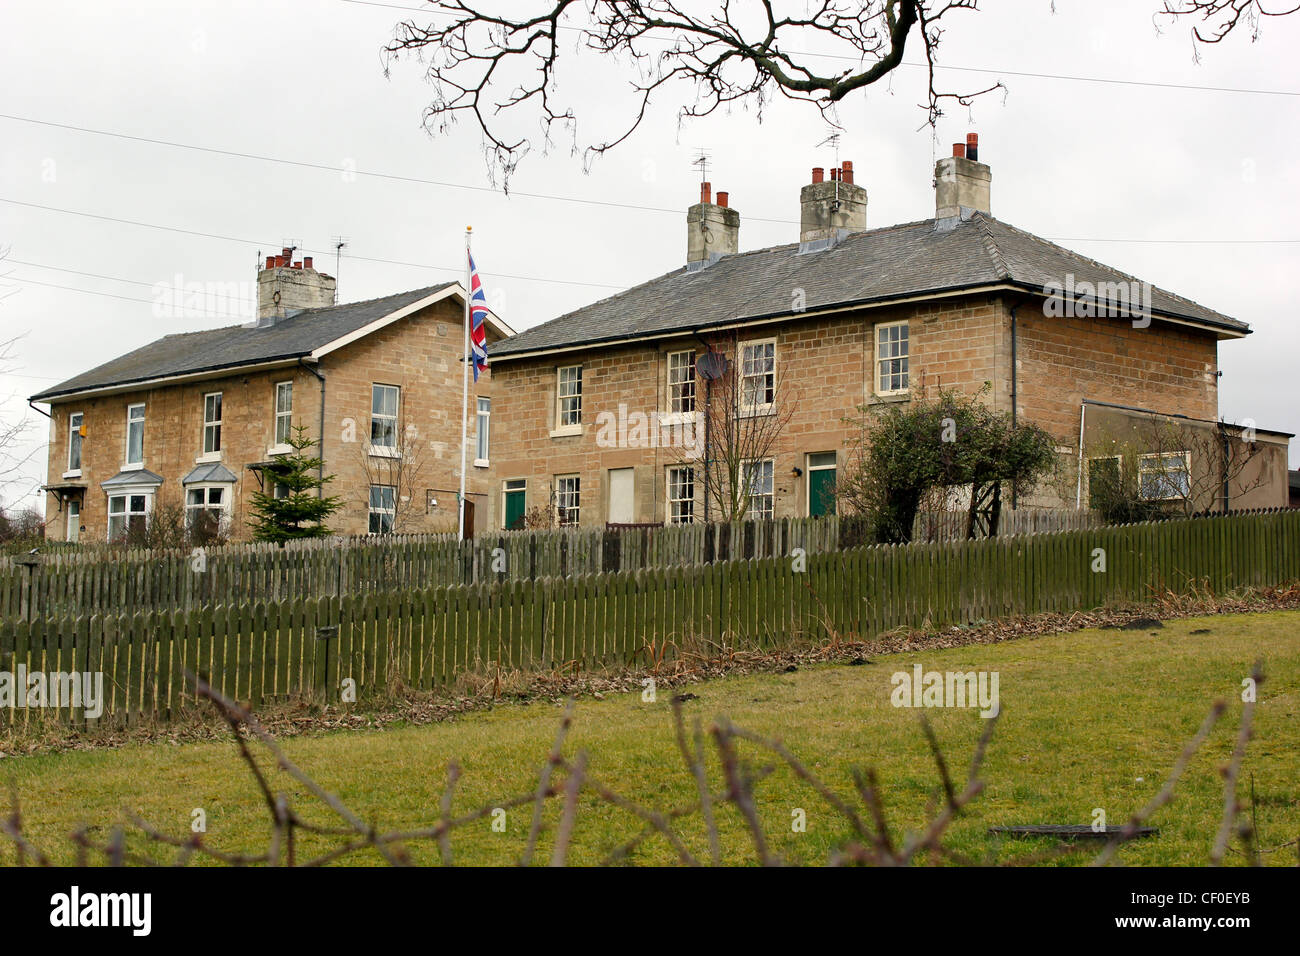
<point x="819" y="174"/>
<point x="846" y="171"/>
<point x="706" y="192"/>
<point x="835" y="175"/>
<point x="723" y="198"/>
<point x="306" y="262"/>
<point x="298" y="264"/>
<point x="973" y="146"/>
<point x="270" y="262"/>
<point x="959" y="150"/>
<point x="286" y="252"/>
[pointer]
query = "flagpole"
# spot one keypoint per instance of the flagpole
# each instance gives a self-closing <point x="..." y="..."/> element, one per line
<point x="464" y="405"/>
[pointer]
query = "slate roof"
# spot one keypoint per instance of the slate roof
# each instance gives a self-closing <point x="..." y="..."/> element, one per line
<point x="237" y="345"/>
<point x="211" y="473"/>
<point x="131" y="477"/>
<point x="874" y="266"/>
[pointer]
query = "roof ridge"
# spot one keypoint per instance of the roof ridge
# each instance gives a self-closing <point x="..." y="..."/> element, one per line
<point x="991" y="246"/>
<point x="1108" y="268"/>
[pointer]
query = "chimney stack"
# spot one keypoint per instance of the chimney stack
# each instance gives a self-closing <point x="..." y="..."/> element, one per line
<point x="962" y="182"/>
<point x="832" y="207"/>
<point x="285" y="287"/>
<point x="712" y="229"/>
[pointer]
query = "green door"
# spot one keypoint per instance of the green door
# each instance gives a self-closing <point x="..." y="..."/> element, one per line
<point x="821" y="484"/>
<point x="514" y="504"/>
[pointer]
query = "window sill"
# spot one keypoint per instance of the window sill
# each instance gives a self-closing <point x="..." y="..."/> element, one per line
<point x="382" y="451"/>
<point x="481" y="463"/>
<point x="760" y="411"/>
<point x="889" y="398"/>
<point x="677" y="418"/>
<point x="279" y="450"/>
<point x="133" y="466"/>
<point x="565" y="431"/>
<point x="208" y="458"/>
<point x="74" y="473"/>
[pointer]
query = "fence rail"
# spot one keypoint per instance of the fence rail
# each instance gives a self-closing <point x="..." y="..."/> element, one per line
<point x="96" y="580"/>
<point x="258" y="650"/>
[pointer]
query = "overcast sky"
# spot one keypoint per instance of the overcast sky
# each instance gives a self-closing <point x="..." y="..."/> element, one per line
<point x="1194" y="190"/>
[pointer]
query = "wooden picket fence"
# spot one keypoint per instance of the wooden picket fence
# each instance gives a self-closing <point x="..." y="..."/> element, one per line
<point x="70" y="582"/>
<point x="422" y="639"/>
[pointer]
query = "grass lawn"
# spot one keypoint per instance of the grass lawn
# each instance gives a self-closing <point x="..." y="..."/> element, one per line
<point x="1090" y="719"/>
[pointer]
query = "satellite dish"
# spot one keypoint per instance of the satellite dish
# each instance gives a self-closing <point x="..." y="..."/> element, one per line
<point x="711" y="366"/>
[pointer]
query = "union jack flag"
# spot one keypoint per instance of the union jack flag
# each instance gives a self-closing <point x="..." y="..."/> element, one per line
<point x="478" y="310"/>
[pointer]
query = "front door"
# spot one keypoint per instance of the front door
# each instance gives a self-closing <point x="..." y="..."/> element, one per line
<point x="515" y="489"/>
<point x="74" y="522"/>
<point x="821" y="484"/>
<point x="621" y="502"/>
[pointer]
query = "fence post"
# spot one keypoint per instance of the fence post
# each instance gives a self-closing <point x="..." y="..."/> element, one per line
<point x="27" y="597"/>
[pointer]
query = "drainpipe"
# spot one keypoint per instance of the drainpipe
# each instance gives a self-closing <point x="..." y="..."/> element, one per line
<point x="1014" y="396"/>
<point x="1083" y="415"/>
<point x="1227" y="465"/>
<point x="320" y="447"/>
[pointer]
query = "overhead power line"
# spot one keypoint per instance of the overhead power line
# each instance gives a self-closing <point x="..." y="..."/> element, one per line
<point x="457" y="270"/>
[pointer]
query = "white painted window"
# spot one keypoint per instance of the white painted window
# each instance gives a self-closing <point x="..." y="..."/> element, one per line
<point x="483" y="431"/>
<point x="892" y="358"/>
<point x="568" y="396"/>
<point x="74" y="441"/>
<point x="681" y="494"/>
<point x="681" y="383"/>
<point x="757" y="376"/>
<point x="127" y="514"/>
<point x="283" y="412"/>
<point x="135" y="434"/>
<point x="208" y="503"/>
<point x="383" y="508"/>
<point x="212" y="423"/>
<point x="759" y="479"/>
<point x="1164" y="476"/>
<point x="568" y="499"/>
<point x="384" y="401"/>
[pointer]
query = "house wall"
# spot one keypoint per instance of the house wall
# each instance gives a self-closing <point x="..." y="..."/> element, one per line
<point x="960" y="342"/>
<point x="419" y="353"/>
<point x="824" y="369"/>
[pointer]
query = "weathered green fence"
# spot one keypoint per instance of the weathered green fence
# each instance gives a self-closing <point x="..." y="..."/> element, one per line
<point x="258" y="650"/>
<point x="100" y="580"/>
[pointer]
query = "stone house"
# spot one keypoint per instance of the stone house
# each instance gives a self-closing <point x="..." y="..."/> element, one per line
<point x="601" y="408"/>
<point x="190" y="421"/>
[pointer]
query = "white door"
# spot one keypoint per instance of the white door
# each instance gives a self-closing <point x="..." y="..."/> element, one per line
<point x="74" y="522"/>
<point x="621" y="503"/>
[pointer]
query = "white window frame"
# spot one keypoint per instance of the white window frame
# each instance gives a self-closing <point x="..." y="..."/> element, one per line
<point x="482" y="431"/>
<point x="372" y="510"/>
<point x="75" y="421"/>
<point x="574" y="396"/>
<point x="227" y="492"/>
<point x="562" y="510"/>
<point x="745" y="406"/>
<point x="130" y="422"/>
<point x="385" y="449"/>
<point x="675" y="409"/>
<point x="280" y="444"/>
<point x="1163" y="472"/>
<point x="747" y="476"/>
<point x="126" y="513"/>
<point x="212" y="427"/>
<point x="675" y="505"/>
<point x="878" y="361"/>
